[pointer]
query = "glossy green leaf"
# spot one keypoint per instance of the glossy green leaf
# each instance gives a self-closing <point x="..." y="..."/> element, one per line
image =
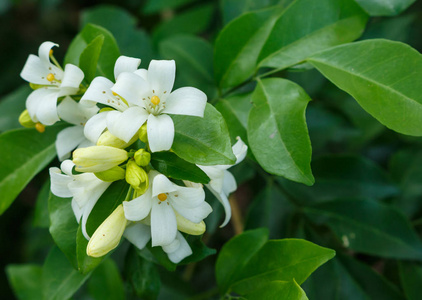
<point x="11" y="106"/>
<point x="277" y="131"/>
<point x="386" y="90"/>
<point x="25" y="281"/>
<point x="199" y="249"/>
<point x="361" y="225"/>
<point x="411" y="279"/>
<point x="59" y="279"/>
<point x="235" y="110"/>
<point x="23" y="153"/>
<point x="142" y="275"/>
<point x="41" y="214"/>
<point x="281" y="290"/>
<point x="203" y="141"/>
<point x="338" y="22"/>
<point x="233" y="257"/>
<point x="63" y="226"/>
<point x="384" y="7"/>
<point x="231" y="9"/>
<point x="154" y="6"/>
<point x="89" y="57"/>
<point x="343" y="176"/>
<point x="106" y="282"/>
<point x="109" y="52"/>
<point x="174" y="167"/>
<point x="193" y="58"/>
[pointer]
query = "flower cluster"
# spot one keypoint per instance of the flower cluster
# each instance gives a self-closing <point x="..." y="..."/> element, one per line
<point x="117" y="127"/>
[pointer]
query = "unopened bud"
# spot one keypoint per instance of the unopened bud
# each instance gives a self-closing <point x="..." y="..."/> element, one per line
<point x="108" y="235"/>
<point x="136" y="176"/>
<point x="107" y="139"/>
<point x="142" y="157"/>
<point x="113" y="174"/>
<point x="25" y="120"/>
<point x="36" y="86"/>
<point x="186" y="226"/>
<point x="143" y="135"/>
<point x="98" y="158"/>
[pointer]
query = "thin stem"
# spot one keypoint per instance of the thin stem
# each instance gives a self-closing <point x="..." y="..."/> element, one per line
<point x="236" y="219"/>
<point x="129" y="192"/>
<point x="55" y="62"/>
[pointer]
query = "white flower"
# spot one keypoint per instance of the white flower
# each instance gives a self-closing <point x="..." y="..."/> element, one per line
<point x="147" y="97"/>
<point x="73" y="137"/>
<point x="85" y="190"/>
<point x="222" y="182"/>
<point x="54" y="82"/>
<point x="162" y="199"/>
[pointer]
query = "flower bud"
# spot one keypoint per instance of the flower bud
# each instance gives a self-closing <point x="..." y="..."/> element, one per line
<point x="98" y="158"/>
<point x="142" y="157"/>
<point x="136" y="176"/>
<point x="25" y="120"/>
<point x="108" y="235"/>
<point x="107" y="139"/>
<point x="186" y="226"/>
<point x="142" y="133"/>
<point x="113" y="174"/>
<point x="36" y="86"/>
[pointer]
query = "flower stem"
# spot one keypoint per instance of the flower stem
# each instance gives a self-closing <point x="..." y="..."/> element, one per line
<point x="236" y="219"/>
<point x="55" y="62"/>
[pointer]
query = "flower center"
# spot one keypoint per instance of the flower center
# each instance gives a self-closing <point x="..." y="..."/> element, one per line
<point x="40" y="127"/>
<point x="50" y="77"/>
<point x="162" y="197"/>
<point x="155" y="100"/>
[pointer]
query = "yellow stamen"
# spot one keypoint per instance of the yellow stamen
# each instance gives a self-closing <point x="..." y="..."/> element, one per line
<point x="114" y="94"/>
<point x="51" y="52"/>
<point x="40" y="127"/>
<point x="50" y="77"/>
<point x="155" y="100"/>
<point x="162" y="197"/>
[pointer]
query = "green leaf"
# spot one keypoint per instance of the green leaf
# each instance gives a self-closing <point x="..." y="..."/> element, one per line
<point x="174" y="167"/>
<point x="235" y="110"/>
<point x="11" y="106"/>
<point x="343" y="176"/>
<point x="63" y="226"/>
<point x="384" y="7"/>
<point x="106" y="282"/>
<point x="338" y="22"/>
<point x="277" y="131"/>
<point x="41" y="214"/>
<point x="155" y="6"/>
<point x="59" y="279"/>
<point x="109" y="52"/>
<point x="361" y="226"/>
<point x="203" y="141"/>
<point x="25" y="281"/>
<point x="199" y="249"/>
<point x="193" y="58"/>
<point x="233" y="257"/>
<point x="142" y="275"/>
<point x="411" y="279"/>
<point x="281" y="290"/>
<point x="386" y="90"/>
<point x="89" y="57"/>
<point x="23" y="153"/>
<point x="231" y="9"/>
<point x="85" y="263"/>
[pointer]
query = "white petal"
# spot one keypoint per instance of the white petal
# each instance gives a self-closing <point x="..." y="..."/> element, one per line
<point x="44" y="52"/>
<point x="160" y="132"/>
<point x="85" y="144"/>
<point x="173" y="246"/>
<point x="67" y="166"/>
<point x="68" y="139"/>
<point x="77" y="211"/>
<point x="161" y="184"/>
<point x="186" y="101"/>
<point x="99" y="91"/>
<point x="68" y="110"/>
<point x="226" y="204"/>
<point x="138" y="234"/>
<point x="138" y="208"/>
<point x="188" y="197"/>
<point x="35" y="71"/>
<point x="240" y="150"/>
<point x="229" y="183"/>
<point x="125" y="64"/>
<point x="95" y="126"/>
<point x="143" y="73"/>
<point x="163" y="224"/>
<point x="182" y="251"/>
<point x="131" y="87"/>
<point x="72" y="78"/>
<point x="42" y="105"/>
<point x="59" y="183"/>
<point x="216" y="175"/>
<point x="195" y="214"/>
<point x="161" y="74"/>
<point x="124" y="125"/>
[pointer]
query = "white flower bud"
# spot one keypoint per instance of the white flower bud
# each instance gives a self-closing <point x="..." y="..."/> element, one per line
<point x="98" y="158"/>
<point x="189" y="227"/>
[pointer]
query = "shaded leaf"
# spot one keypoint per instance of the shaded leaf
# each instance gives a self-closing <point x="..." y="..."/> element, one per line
<point x="89" y="57"/>
<point x="384" y="7"/>
<point x="411" y="279"/>
<point x="11" y="106"/>
<point x="106" y="282"/>
<point x="281" y="290"/>
<point x="25" y="281"/>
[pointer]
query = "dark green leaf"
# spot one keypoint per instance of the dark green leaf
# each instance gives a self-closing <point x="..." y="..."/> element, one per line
<point x="106" y="282"/>
<point x="203" y="141"/>
<point x="41" y="215"/>
<point x="174" y="167"/>
<point x="154" y="6"/>
<point x="89" y="57"/>
<point x="231" y="9"/>
<point x="411" y="279"/>
<point x="280" y="290"/>
<point x="11" y="106"/>
<point x="386" y="89"/>
<point x="85" y="263"/>
<point x="277" y="131"/>
<point x="199" y="249"/>
<point x="23" y="153"/>
<point x="384" y="7"/>
<point x="25" y="281"/>
<point x="361" y="225"/>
